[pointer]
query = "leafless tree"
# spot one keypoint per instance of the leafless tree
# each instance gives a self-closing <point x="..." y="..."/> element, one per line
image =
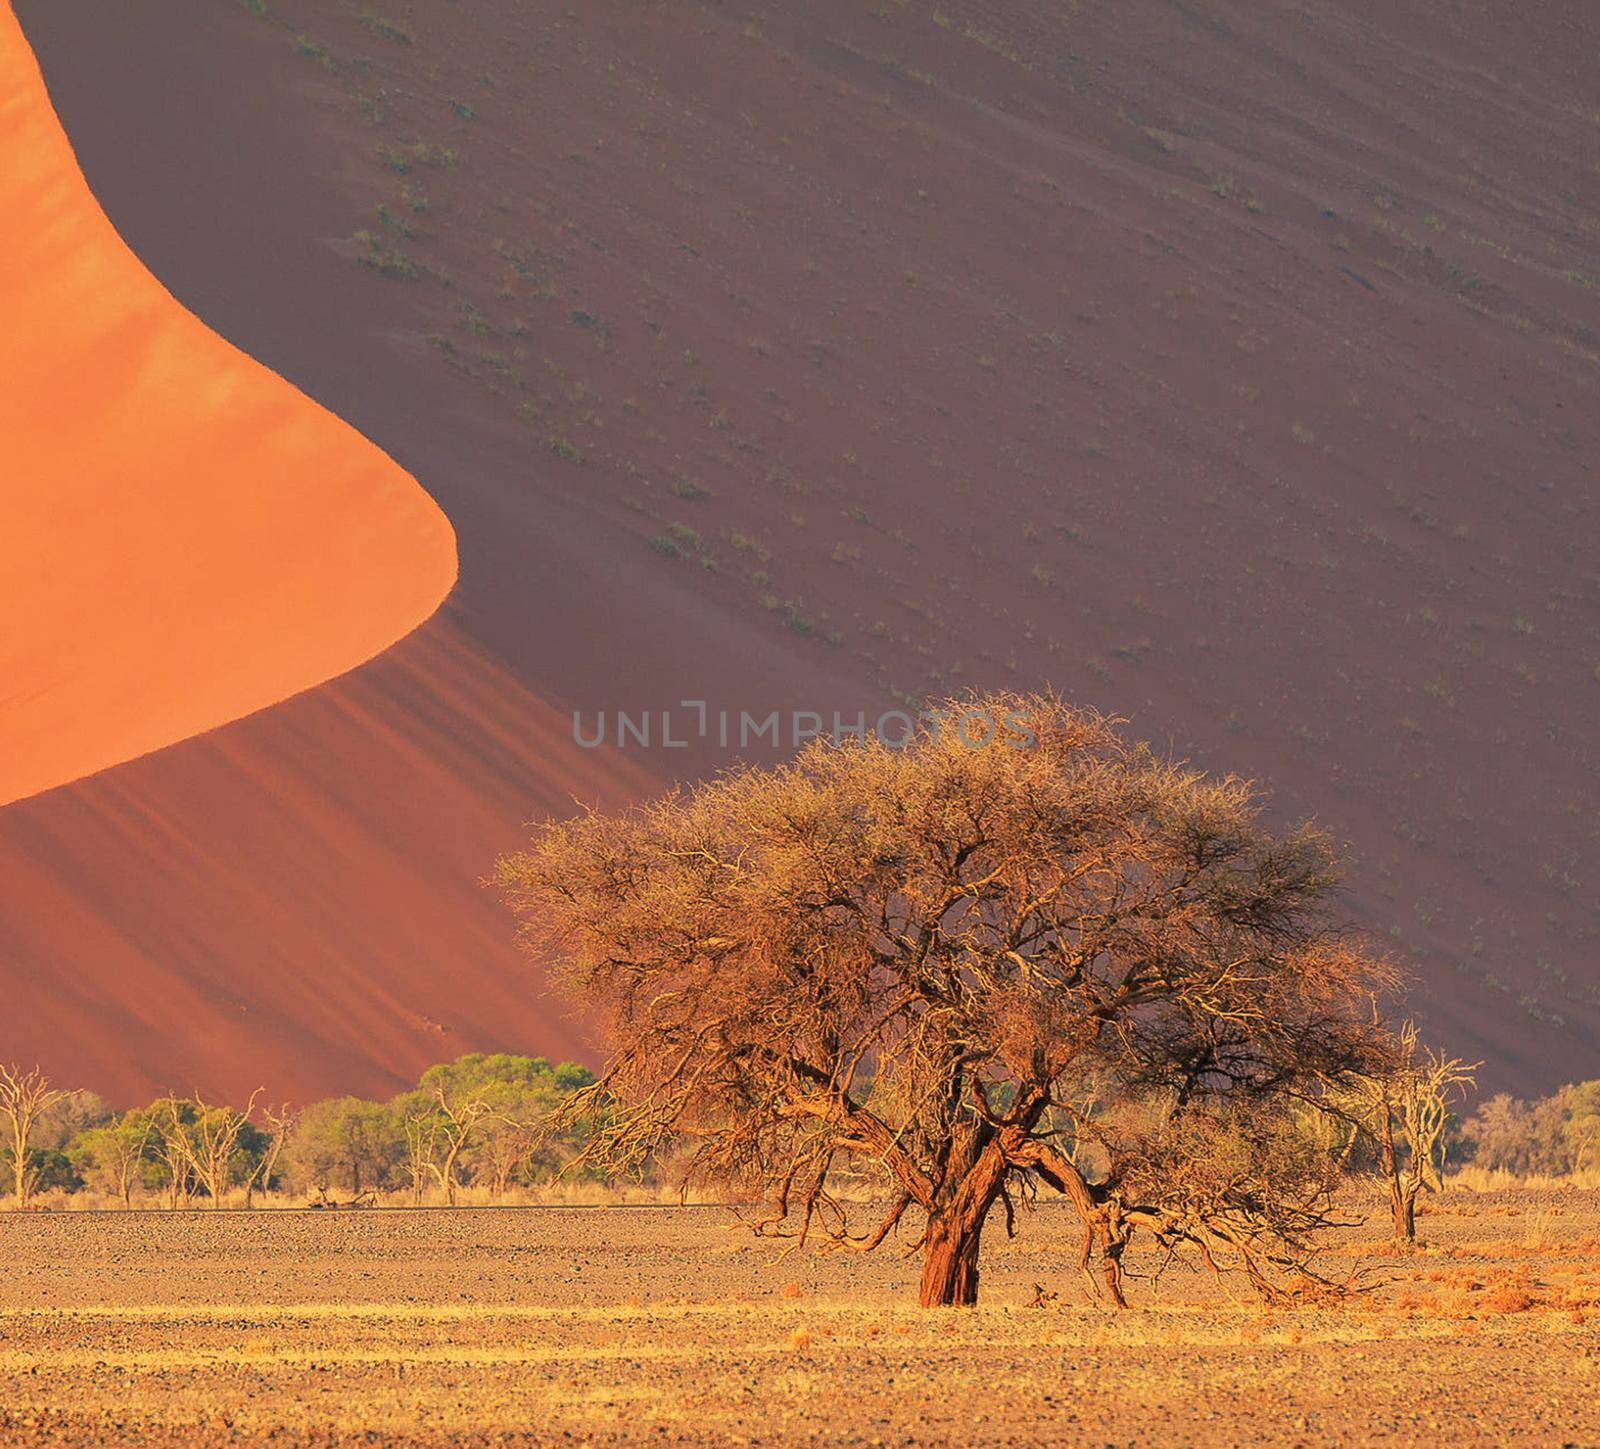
<point x="169" y="1150"/>
<point x="280" y="1121"/>
<point x="1405" y="1110"/>
<point x="23" y="1096"/>
<point x="421" y="1131"/>
<point x="207" y="1142"/>
<point x="510" y="1139"/>
<point x="1017" y="951"/>
<point x="115" y="1152"/>
<point x="456" y="1119"/>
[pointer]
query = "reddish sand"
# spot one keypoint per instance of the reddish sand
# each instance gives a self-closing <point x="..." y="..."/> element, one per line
<point x="1232" y="368"/>
<point x="187" y="537"/>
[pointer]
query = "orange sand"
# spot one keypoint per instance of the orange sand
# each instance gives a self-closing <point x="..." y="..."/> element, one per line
<point x="184" y="536"/>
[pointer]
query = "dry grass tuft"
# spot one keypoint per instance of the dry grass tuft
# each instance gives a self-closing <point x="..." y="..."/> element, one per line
<point x="1509" y="1299"/>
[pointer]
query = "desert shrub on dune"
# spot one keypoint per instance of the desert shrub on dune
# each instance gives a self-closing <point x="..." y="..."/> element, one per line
<point x="388" y="261"/>
<point x="967" y="970"/>
<point x="381" y="25"/>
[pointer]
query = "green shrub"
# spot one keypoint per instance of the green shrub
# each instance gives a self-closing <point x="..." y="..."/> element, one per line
<point x="381" y="26"/>
<point x="312" y="51"/>
<point x="388" y="261"/>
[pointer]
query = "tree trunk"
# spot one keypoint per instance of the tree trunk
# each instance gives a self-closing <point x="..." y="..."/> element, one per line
<point x="447" y="1174"/>
<point x="1402" y="1203"/>
<point x="950" y="1260"/>
<point x="976" y="1170"/>
<point x="19" y="1166"/>
<point x="1114" y="1234"/>
<point x="1403" y="1199"/>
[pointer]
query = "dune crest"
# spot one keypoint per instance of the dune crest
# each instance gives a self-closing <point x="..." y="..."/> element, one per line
<point x="1282" y="449"/>
<point x="185" y="537"/>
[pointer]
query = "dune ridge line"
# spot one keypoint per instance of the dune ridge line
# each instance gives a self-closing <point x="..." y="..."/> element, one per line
<point x="185" y="537"/>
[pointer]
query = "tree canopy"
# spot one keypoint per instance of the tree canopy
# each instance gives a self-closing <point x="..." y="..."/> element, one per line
<point x="1021" y="952"/>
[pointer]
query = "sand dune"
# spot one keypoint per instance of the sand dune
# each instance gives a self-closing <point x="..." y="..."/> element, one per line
<point x="1229" y="368"/>
<point x="184" y="536"/>
<point x="294" y="900"/>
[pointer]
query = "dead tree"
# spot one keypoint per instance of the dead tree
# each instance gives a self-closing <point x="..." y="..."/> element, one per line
<point x="421" y="1132"/>
<point x="280" y="1120"/>
<point x="1403" y="1112"/>
<point x="456" y="1119"/>
<point x="208" y="1142"/>
<point x="511" y="1138"/>
<point x="1017" y="951"/>
<point x="23" y="1096"/>
<point x="169" y="1121"/>
<point x="1418" y="1099"/>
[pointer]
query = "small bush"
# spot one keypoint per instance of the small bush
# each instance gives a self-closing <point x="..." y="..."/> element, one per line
<point x="387" y="29"/>
<point x="388" y="261"/>
<point x="312" y="51"/>
<point x="402" y="159"/>
<point x="1508" y="1298"/>
<point x="395" y="223"/>
<point x="589" y="323"/>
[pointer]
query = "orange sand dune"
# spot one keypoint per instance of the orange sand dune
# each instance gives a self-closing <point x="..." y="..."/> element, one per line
<point x="1229" y="366"/>
<point x="184" y="537"/>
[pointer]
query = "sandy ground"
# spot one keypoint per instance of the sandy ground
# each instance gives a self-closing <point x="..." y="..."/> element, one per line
<point x="663" y="1325"/>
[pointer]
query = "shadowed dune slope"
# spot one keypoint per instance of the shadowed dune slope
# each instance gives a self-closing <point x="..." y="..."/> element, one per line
<point x="295" y="899"/>
<point x="1236" y="368"/>
<point x="186" y="537"/>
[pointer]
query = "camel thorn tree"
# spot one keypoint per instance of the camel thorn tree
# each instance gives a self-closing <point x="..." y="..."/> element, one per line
<point x="971" y="969"/>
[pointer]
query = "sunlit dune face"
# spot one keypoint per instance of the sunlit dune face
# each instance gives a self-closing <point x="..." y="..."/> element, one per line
<point x="184" y="537"/>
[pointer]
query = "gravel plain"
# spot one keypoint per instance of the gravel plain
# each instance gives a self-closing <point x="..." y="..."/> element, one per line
<point x="662" y="1325"/>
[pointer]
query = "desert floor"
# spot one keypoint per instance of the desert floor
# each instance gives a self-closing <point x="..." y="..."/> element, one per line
<point x="485" y="1326"/>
